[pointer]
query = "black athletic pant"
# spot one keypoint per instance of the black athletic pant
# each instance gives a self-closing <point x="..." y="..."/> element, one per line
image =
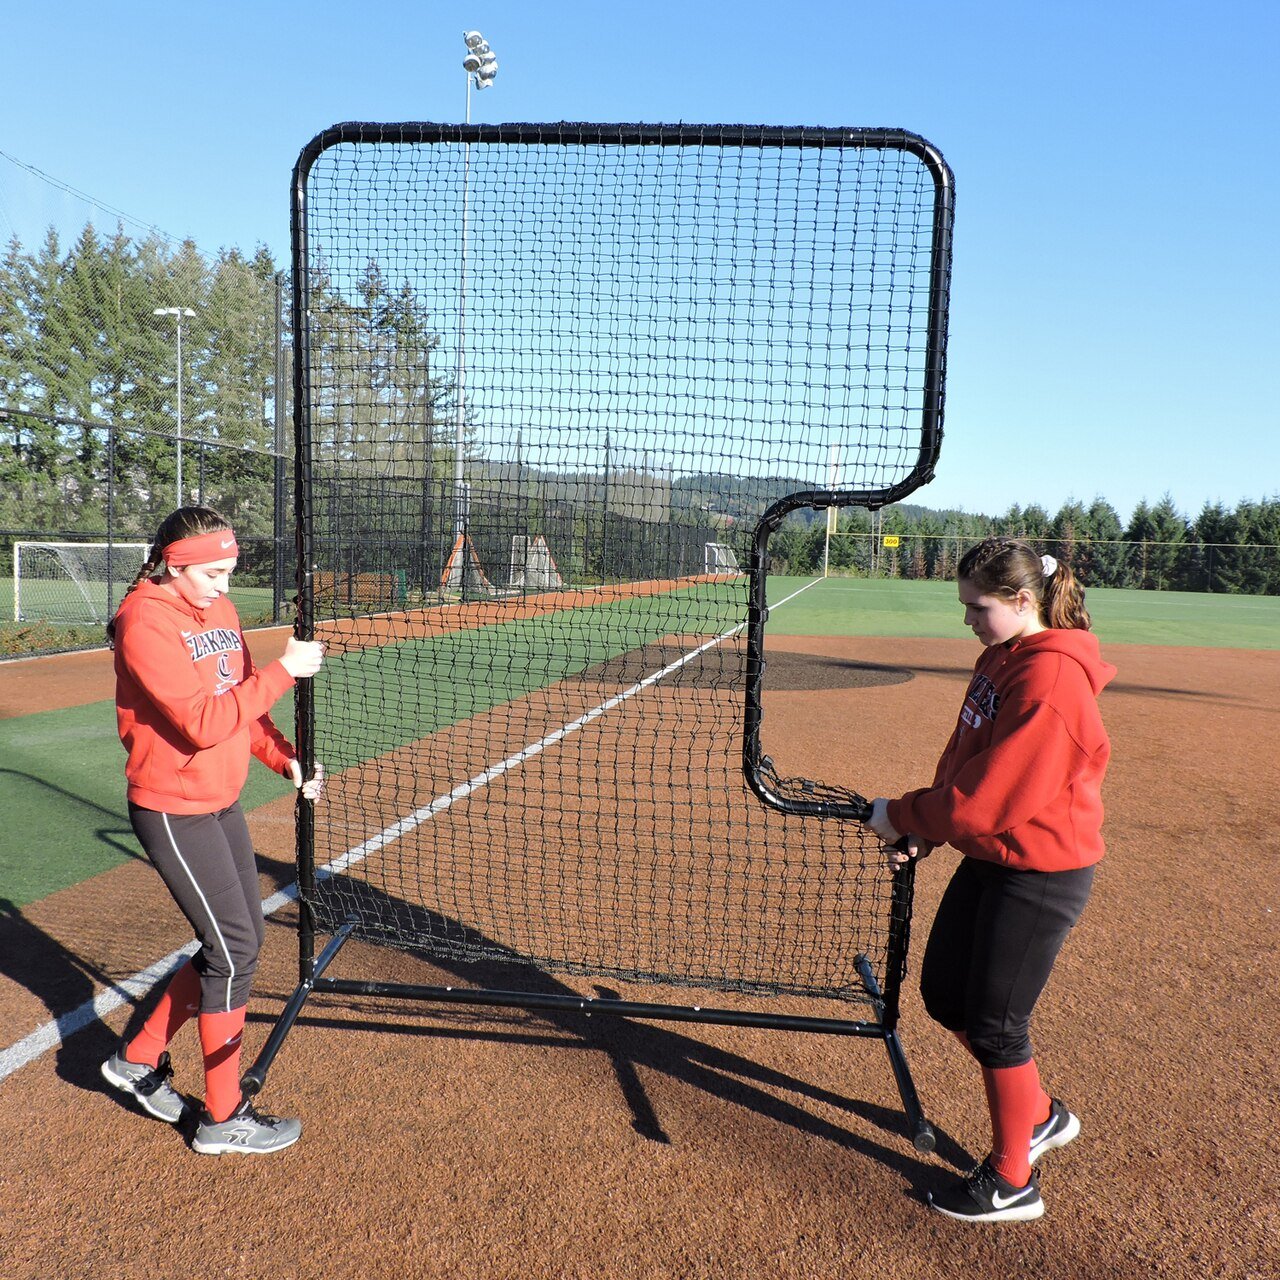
<point x="991" y="950"/>
<point x="206" y="861"/>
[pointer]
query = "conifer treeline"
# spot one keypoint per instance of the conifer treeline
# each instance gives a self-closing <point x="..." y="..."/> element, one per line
<point x="81" y="346"/>
<point x="1220" y="549"/>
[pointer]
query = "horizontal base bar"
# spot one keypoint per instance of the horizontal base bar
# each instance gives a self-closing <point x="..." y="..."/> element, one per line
<point x="608" y="1007"/>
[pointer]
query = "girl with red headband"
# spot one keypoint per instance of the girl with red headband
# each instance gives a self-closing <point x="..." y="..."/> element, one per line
<point x="191" y="709"/>
<point x="1018" y="792"/>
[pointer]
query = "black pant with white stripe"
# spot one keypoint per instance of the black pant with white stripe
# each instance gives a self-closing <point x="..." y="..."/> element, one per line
<point x="206" y="861"/>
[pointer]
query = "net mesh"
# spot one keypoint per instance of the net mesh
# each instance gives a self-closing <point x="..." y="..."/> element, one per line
<point x="621" y="348"/>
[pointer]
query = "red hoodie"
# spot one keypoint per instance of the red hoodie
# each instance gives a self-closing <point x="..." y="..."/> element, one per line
<point x="1020" y="780"/>
<point x="189" y="704"/>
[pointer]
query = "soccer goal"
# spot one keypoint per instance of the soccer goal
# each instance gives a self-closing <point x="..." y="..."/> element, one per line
<point x="72" y="582"/>
<point x="663" y="327"/>
<point x="718" y="557"/>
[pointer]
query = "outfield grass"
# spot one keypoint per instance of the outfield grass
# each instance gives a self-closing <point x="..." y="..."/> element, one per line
<point x="880" y="607"/>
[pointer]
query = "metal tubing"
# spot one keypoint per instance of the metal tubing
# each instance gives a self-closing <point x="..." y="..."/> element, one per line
<point x="921" y="1131"/>
<point x="252" y="1081"/>
<point x="922" y="1135"/>
<point x="608" y="1007"/>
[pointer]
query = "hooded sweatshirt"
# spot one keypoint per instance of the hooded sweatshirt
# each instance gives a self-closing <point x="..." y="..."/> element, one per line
<point x="190" y="706"/>
<point x="1020" y="780"/>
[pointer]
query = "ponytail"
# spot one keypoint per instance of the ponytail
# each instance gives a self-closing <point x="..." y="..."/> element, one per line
<point x="152" y="563"/>
<point x="1063" y="605"/>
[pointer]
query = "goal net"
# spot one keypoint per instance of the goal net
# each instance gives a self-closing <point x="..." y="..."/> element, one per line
<point x="73" y="582"/>
<point x="720" y="558"/>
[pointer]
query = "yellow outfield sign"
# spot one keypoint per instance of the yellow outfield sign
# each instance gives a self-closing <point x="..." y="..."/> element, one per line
<point x="890" y="540"/>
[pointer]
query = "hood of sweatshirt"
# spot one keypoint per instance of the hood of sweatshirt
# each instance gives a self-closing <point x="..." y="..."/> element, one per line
<point x="149" y="591"/>
<point x="1080" y="646"/>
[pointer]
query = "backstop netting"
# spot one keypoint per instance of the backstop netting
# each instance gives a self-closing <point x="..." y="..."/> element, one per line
<point x="610" y="348"/>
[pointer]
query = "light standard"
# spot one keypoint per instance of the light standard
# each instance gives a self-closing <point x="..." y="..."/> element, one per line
<point x="481" y="66"/>
<point x="179" y="314"/>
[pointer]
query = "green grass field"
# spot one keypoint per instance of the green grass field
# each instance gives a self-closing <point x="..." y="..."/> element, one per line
<point x="880" y="607"/>
<point x="61" y="772"/>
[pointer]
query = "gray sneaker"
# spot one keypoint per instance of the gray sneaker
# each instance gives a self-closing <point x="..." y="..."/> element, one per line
<point x="150" y="1085"/>
<point x="245" y="1132"/>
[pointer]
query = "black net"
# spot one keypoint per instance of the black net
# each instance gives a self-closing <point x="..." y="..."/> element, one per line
<point x="551" y="377"/>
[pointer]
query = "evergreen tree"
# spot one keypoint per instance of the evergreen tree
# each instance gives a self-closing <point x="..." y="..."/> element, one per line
<point x="1258" y="524"/>
<point x="1036" y="525"/>
<point x="1011" y="524"/>
<point x="1214" y="559"/>
<point x="1160" y="534"/>
<point x="1107" y="552"/>
<point x="1069" y="538"/>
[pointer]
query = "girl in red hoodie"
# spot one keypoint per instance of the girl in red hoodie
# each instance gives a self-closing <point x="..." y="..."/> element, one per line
<point x="1017" y="792"/>
<point x="191" y="709"/>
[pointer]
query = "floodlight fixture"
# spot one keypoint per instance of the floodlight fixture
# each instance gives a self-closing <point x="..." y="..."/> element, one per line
<point x="480" y="64"/>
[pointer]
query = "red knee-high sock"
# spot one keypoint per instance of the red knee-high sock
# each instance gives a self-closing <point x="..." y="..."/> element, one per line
<point x="1044" y="1104"/>
<point x="180" y="1003"/>
<point x="220" y="1036"/>
<point x="1013" y="1098"/>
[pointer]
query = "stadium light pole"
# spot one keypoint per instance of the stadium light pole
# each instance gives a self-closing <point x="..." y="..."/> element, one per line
<point x="481" y="66"/>
<point x="179" y="314"/>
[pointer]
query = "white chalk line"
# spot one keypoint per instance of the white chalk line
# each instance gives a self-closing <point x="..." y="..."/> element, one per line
<point x="107" y="1001"/>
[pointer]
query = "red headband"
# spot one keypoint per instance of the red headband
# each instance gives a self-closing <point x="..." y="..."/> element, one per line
<point x="204" y="548"/>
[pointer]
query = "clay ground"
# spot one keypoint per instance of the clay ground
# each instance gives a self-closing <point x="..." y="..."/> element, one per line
<point x="464" y="1142"/>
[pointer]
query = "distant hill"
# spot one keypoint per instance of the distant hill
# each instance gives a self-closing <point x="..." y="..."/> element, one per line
<point x="744" y="498"/>
<point x="715" y="497"/>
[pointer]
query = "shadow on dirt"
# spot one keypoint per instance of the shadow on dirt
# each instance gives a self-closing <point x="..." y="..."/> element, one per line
<point x="632" y="1045"/>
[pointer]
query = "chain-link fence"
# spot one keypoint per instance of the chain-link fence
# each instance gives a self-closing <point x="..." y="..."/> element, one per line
<point x="1145" y="565"/>
<point x="94" y="486"/>
<point x="394" y="542"/>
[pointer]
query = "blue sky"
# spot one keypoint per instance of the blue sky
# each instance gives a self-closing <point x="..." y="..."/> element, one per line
<point x="1116" y="294"/>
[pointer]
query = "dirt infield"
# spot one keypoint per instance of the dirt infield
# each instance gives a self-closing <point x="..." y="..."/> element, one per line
<point x="471" y="1143"/>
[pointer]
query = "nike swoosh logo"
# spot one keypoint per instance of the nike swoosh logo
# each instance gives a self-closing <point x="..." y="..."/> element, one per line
<point x="232" y="543"/>
<point x="1003" y="1202"/>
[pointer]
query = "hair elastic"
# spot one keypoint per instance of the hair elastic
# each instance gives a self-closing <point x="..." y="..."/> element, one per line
<point x="1048" y="566"/>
